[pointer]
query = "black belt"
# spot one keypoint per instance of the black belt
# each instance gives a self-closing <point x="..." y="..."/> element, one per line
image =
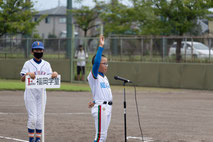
<point x="109" y="103"/>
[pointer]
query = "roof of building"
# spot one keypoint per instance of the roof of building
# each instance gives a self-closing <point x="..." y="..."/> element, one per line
<point x="204" y="26"/>
<point x="210" y="15"/>
<point x="60" y="10"/>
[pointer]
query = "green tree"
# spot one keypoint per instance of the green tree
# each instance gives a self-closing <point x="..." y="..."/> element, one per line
<point x="85" y="18"/>
<point x="119" y="19"/>
<point x="178" y="17"/>
<point x="123" y="19"/>
<point x="16" y="17"/>
<point x="116" y="17"/>
<point x="144" y="16"/>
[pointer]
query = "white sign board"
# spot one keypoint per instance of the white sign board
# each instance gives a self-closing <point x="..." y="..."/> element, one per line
<point x="43" y="81"/>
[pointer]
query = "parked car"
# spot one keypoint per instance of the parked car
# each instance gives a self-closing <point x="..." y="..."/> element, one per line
<point x="198" y="50"/>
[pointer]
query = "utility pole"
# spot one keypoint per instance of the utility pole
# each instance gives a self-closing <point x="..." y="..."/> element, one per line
<point x="69" y="28"/>
<point x="69" y="37"/>
<point x="27" y="36"/>
<point x="114" y="40"/>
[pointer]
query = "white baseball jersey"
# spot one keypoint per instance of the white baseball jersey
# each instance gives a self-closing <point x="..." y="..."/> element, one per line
<point x="100" y="88"/>
<point x="101" y="112"/>
<point x="42" y="68"/>
<point x="33" y="96"/>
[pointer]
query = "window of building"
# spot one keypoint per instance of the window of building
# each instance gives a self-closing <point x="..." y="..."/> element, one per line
<point x="35" y="19"/>
<point x="98" y="25"/>
<point x="43" y="35"/>
<point x="62" y="20"/>
<point x="47" y="20"/>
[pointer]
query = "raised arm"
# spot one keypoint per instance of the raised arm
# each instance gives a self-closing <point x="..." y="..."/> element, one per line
<point x="97" y="59"/>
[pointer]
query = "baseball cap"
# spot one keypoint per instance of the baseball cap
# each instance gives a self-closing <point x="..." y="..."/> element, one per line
<point x="37" y="45"/>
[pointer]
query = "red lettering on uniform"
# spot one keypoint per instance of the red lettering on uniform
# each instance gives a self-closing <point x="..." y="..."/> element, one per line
<point x="28" y="81"/>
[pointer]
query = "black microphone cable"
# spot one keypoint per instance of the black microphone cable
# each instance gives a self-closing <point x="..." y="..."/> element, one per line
<point x="136" y="103"/>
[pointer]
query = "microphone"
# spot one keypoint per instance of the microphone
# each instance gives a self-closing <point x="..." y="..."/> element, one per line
<point x="122" y="79"/>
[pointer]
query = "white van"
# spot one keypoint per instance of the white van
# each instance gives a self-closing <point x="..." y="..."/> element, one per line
<point x="198" y="50"/>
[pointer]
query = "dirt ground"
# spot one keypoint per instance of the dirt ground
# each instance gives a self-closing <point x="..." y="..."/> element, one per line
<point x="166" y="115"/>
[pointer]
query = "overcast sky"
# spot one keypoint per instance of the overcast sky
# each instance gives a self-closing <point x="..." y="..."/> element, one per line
<point x="48" y="4"/>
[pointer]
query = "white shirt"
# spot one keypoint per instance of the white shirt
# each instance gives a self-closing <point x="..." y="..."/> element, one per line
<point x="43" y="68"/>
<point x="100" y="88"/>
<point x="81" y="56"/>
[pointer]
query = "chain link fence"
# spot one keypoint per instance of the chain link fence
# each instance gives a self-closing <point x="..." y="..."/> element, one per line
<point x="134" y="49"/>
<point x="123" y="49"/>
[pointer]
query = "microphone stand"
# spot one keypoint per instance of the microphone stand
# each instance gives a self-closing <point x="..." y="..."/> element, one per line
<point x="124" y="83"/>
<point x="125" y="133"/>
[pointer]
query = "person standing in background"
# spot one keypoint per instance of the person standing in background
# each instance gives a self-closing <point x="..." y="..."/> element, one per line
<point x="81" y="55"/>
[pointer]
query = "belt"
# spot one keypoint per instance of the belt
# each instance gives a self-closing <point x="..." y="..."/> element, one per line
<point x="105" y="102"/>
<point x="109" y="103"/>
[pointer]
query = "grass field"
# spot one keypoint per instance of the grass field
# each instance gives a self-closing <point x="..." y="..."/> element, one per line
<point x="18" y="85"/>
<point x="13" y="85"/>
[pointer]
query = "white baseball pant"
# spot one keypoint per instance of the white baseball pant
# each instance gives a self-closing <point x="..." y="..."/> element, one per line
<point x="102" y="116"/>
<point x="33" y="104"/>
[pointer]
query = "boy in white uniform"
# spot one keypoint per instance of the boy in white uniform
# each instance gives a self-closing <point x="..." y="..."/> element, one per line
<point x="102" y="95"/>
<point x="32" y="97"/>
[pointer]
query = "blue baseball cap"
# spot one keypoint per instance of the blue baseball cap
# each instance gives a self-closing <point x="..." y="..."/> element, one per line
<point x="37" y="45"/>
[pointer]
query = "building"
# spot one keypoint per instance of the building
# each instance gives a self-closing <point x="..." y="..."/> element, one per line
<point x="211" y="27"/>
<point x="210" y="24"/>
<point x="54" y="24"/>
